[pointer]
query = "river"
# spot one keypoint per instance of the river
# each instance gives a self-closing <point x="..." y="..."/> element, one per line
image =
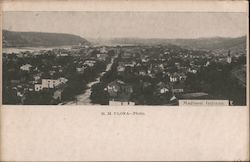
<point x="84" y="99"/>
<point x="10" y="50"/>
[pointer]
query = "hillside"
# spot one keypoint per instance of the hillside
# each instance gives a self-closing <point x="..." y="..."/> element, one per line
<point x="213" y="43"/>
<point x="199" y="43"/>
<point x="38" y="39"/>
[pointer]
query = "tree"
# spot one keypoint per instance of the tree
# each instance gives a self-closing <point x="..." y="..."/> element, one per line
<point x="99" y="95"/>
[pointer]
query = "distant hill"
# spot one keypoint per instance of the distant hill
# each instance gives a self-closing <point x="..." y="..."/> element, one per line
<point x="199" y="43"/>
<point x="213" y="43"/>
<point x="38" y="39"/>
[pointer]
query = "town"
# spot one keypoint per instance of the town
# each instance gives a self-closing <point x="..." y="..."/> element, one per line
<point x="123" y="75"/>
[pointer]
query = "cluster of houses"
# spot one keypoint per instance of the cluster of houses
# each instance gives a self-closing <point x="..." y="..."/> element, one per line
<point x="119" y="93"/>
<point x="168" y="64"/>
<point x="35" y="79"/>
<point x="38" y="84"/>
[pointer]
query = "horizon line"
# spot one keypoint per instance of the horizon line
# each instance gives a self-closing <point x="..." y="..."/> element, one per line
<point x="118" y="37"/>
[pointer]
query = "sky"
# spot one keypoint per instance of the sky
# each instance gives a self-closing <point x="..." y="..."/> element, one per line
<point x="130" y="24"/>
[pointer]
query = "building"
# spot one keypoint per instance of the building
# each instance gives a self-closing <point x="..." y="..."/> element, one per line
<point x="90" y="63"/>
<point x="81" y="69"/>
<point x="229" y="58"/>
<point x="62" y="54"/>
<point x="38" y="87"/>
<point x="142" y="72"/>
<point x="126" y="55"/>
<point x="26" y="67"/>
<point x="162" y="88"/>
<point x="120" y="103"/>
<point x="101" y="57"/>
<point x="173" y="77"/>
<point x="50" y="83"/>
<point x="37" y="77"/>
<point x="57" y="95"/>
<point x="178" y="88"/>
<point x="119" y="92"/>
<point x="103" y="50"/>
<point x="120" y="69"/>
<point x="129" y="63"/>
<point x="192" y="70"/>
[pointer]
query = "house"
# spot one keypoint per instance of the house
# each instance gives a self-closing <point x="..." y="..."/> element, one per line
<point x="161" y="66"/>
<point x="52" y="72"/>
<point x="166" y="52"/>
<point x="81" y="69"/>
<point x="50" y="83"/>
<point x="145" y="59"/>
<point x="114" y="87"/>
<point x="163" y="88"/>
<point x="173" y="98"/>
<point x="178" y="65"/>
<point x="62" y="80"/>
<point x="121" y="103"/>
<point x="101" y="57"/>
<point x="120" y="69"/>
<point x="146" y="84"/>
<point x="192" y="70"/>
<point x="103" y="50"/>
<point x="20" y="55"/>
<point x="62" y="54"/>
<point x="129" y="63"/>
<point x="178" y="88"/>
<point x="26" y="67"/>
<point x="142" y="72"/>
<point x="173" y="77"/>
<point x="119" y="91"/>
<point x="157" y="69"/>
<point x="15" y="81"/>
<point x="126" y="55"/>
<point x="37" y="76"/>
<point x="182" y="76"/>
<point x="38" y="87"/>
<point x="138" y="64"/>
<point x="90" y="63"/>
<point x="207" y="64"/>
<point x="57" y="95"/>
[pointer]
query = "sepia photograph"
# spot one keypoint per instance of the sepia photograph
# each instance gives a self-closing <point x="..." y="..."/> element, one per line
<point x="124" y="80"/>
<point x="124" y="58"/>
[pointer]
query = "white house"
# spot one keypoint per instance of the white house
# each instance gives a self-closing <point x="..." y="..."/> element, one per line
<point x="192" y="70"/>
<point x="26" y="67"/>
<point x="90" y="63"/>
<point x="81" y="69"/>
<point x="102" y="57"/>
<point x="103" y="50"/>
<point x="58" y="94"/>
<point x="62" y="80"/>
<point x="173" y="78"/>
<point x="50" y="83"/>
<point x="229" y="59"/>
<point x="62" y="54"/>
<point x="120" y="103"/>
<point x="120" y="68"/>
<point x="37" y="77"/>
<point x="38" y="87"/>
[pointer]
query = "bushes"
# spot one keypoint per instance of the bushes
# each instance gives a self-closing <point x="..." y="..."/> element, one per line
<point x="217" y="81"/>
<point x="99" y="95"/>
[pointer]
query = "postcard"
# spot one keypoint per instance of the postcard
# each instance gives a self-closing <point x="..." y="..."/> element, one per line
<point x="125" y="80"/>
